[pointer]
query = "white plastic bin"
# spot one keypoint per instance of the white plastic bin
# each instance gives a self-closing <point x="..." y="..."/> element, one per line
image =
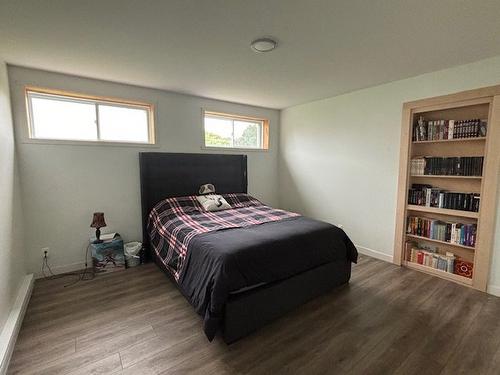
<point x="131" y="250"/>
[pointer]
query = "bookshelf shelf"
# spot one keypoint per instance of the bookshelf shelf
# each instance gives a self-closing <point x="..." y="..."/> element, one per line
<point x="438" y="241"/>
<point x="442" y="274"/>
<point x="472" y="139"/>
<point x="444" y="211"/>
<point x="447" y="176"/>
<point x="468" y="113"/>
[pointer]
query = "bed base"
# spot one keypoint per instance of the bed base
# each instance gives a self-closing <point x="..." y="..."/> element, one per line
<point x="248" y="311"/>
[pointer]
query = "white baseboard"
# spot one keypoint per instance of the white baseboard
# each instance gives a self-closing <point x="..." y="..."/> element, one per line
<point x="494" y="289"/>
<point x="374" y="253"/>
<point x="12" y="326"/>
<point x="61" y="269"/>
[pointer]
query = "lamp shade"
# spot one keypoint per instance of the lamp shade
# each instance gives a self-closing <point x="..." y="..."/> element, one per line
<point x="98" y="220"/>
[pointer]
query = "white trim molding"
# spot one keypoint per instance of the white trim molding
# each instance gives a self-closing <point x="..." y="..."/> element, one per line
<point x="494" y="289"/>
<point x="374" y="253"/>
<point x="12" y="326"/>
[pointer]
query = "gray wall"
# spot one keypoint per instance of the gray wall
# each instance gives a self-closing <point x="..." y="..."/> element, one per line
<point x="63" y="185"/>
<point x="339" y="156"/>
<point x="11" y="246"/>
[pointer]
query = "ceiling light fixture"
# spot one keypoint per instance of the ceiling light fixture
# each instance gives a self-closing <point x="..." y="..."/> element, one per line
<point x="263" y="45"/>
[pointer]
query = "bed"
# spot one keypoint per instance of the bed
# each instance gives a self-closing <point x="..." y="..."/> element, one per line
<point x="237" y="277"/>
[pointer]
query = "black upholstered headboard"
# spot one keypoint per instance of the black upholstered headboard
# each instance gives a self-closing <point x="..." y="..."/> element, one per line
<point x="165" y="175"/>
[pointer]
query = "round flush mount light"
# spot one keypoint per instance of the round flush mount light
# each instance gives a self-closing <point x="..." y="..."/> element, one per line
<point x="263" y="45"/>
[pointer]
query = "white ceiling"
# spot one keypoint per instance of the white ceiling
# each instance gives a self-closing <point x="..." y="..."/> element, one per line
<point x="326" y="47"/>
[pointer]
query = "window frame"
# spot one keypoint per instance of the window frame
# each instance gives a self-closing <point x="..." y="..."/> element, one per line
<point x="232" y="116"/>
<point x="96" y="100"/>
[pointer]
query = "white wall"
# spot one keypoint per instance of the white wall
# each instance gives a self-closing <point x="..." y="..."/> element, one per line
<point x="63" y="185"/>
<point x="339" y="156"/>
<point x="12" y="270"/>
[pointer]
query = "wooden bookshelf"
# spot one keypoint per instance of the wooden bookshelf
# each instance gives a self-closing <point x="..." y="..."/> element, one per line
<point x="472" y="139"/>
<point x="444" y="211"/>
<point x="446" y="176"/>
<point x="442" y="274"/>
<point x="481" y="104"/>
<point x="420" y="238"/>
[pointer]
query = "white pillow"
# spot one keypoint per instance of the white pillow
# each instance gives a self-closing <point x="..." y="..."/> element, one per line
<point x="213" y="202"/>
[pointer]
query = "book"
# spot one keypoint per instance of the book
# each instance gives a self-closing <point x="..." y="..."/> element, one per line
<point x="105" y="237"/>
<point x="426" y="257"/>
<point x="451" y="232"/>
<point x="434" y="130"/>
<point x="451" y="127"/>
<point x="417" y="166"/>
<point x="447" y="166"/>
<point x="408" y="247"/>
<point x="429" y="196"/>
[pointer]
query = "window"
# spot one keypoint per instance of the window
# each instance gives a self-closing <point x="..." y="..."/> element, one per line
<point x="72" y="117"/>
<point x="233" y="131"/>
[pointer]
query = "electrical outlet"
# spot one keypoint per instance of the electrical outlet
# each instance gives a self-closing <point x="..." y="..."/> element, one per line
<point x="45" y="252"/>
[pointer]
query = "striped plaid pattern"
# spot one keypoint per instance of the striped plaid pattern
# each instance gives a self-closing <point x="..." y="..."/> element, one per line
<point x="174" y="222"/>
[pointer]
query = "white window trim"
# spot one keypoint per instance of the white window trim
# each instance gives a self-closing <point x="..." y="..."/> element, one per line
<point x="94" y="99"/>
<point x="265" y="123"/>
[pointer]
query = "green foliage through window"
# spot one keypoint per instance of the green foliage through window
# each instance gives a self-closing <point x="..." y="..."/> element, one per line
<point x="215" y="140"/>
<point x="226" y="131"/>
<point x="249" y="138"/>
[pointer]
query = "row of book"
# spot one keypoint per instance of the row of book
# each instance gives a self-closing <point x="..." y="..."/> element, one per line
<point x="426" y="195"/>
<point x="447" y="263"/>
<point x="447" y="166"/>
<point x="454" y="233"/>
<point x="435" y="130"/>
<point x="432" y="256"/>
<point x="434" y="260"/>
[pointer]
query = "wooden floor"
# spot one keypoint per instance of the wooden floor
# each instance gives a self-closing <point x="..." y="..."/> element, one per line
<point x="387" y="320"/>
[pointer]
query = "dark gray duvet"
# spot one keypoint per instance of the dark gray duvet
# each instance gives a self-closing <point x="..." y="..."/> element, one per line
<point x="225" y="261"/>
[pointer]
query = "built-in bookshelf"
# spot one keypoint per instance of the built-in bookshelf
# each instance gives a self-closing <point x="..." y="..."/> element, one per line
<point x="427" y="239"/>
<point x="443" y="211"/>
<point x="452" y="140"/>
<point x="447" y="191"/>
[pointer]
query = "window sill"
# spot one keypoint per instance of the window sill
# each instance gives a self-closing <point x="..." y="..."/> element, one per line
<point x="234" y="149"/>
<point x="88" y="143"/>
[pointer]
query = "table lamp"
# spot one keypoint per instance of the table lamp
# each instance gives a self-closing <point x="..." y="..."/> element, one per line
<point x="97" y="223"/>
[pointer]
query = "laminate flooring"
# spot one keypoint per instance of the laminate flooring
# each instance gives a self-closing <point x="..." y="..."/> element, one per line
<point x="387" y="320"/>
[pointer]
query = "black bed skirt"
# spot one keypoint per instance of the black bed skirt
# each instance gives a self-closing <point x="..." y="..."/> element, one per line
<point x="248" y="311"/>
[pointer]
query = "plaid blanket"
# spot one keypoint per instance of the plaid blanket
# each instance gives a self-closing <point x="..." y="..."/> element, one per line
<point x="174" y="222"/>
